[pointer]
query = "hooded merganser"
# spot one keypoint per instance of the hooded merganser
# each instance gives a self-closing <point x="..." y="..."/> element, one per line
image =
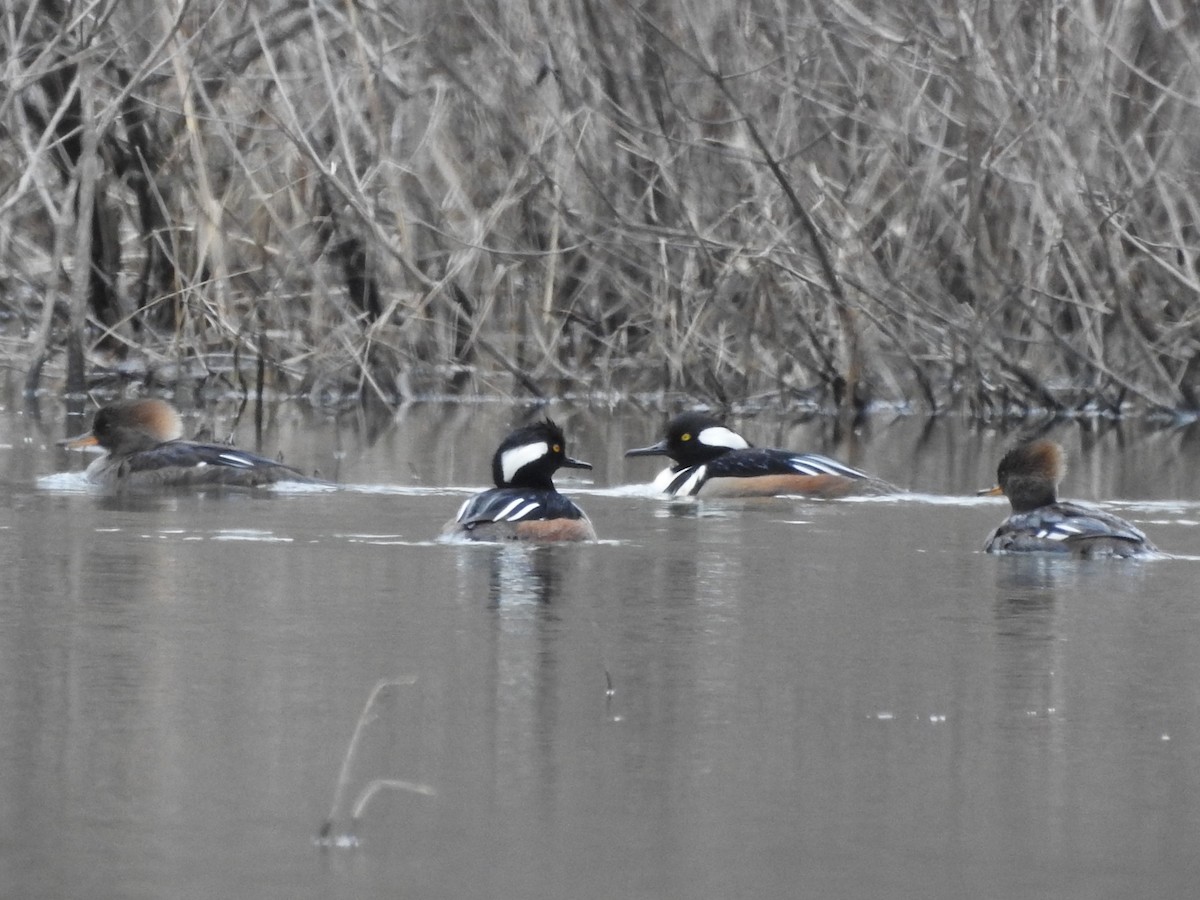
<point x="1041" y="523"/>
<point x="709" y="457"/>
<point x="145" y="450"/>
<point x="524" y="505"/>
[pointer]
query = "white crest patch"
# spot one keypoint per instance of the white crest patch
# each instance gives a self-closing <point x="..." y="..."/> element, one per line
<point x="720" y="436"/>
<point x="512" y="461"/>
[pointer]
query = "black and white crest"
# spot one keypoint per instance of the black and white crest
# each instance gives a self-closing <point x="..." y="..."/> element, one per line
<point x="529" y="456"/>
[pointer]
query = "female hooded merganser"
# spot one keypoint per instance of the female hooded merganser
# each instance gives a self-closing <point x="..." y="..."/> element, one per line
<point x="711" y="458"/>
<point x="1041" y="523"/>
<point x="145" y="450"/>
<point x="524" y="505"/>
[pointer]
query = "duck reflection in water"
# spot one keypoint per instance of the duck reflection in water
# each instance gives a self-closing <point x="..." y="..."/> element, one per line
<point x="1028" y="648"/>
<point x="521" y="575"/>
<point x="1032" y="574"/>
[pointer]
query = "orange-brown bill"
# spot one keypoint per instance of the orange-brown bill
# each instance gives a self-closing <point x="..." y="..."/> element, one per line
<point x="80" y="440"/>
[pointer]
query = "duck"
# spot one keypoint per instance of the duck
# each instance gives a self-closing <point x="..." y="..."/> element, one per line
<point x="145" y="450"/>
<point x="712" y="460"/>
<point x="524" y="505"/>
<point x="1029" y="475"/>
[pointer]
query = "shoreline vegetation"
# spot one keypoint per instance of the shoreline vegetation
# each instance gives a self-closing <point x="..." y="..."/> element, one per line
<point x="985" y="209"/>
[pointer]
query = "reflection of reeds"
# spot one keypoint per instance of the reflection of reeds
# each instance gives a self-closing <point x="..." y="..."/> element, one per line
<point x="939" y="205"/>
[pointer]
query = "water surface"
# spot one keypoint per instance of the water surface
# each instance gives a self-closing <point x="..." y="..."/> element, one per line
<point x="808" y="699"/>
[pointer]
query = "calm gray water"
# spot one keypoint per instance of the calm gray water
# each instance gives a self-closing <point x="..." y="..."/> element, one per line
<point x="809" y="699"/>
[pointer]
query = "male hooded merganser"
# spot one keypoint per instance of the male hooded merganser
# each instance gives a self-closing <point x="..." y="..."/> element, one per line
<point x="712" y="459"/>
<point x="524" y="505"/>
<point x="1041" y="523"/>
<point x="145" y="450"/>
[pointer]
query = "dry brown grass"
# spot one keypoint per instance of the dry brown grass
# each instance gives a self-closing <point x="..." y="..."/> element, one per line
<point x="981" y="207"/>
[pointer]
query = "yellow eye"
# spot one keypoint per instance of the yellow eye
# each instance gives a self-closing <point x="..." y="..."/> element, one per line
<point x="686" y="437"/>
<point x="557" y="448"/>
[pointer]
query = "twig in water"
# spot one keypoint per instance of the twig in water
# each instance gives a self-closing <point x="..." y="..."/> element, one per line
<point x="325" y="836"/>
<point x="392" y="784"/>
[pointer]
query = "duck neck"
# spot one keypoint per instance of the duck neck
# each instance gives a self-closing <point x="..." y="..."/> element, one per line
<point x="1026" y="494"/>
<point x="531" y="477"/>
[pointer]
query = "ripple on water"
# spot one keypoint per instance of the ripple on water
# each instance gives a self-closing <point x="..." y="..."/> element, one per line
<point x="65" y="482"/>
<point x="407" y="490"/>
<point x="251" y="534"/>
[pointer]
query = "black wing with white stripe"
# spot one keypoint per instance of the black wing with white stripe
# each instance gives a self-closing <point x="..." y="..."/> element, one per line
<point x="187" y="454"/>
<point x="516" y="505"/>
<point x="756" y="461"/>
<point x="1066" y="527"/>
<point x="752" y="463"/>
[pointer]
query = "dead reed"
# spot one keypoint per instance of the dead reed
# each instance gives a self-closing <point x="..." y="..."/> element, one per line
<point x="989" y="208"/>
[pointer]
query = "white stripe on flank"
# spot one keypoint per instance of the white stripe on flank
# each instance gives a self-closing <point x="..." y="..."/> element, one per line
<point x="524" y="511"/>
<point x="1054" y="534"/>
<point x="812" y="464"/>
<point x="503" y="514"/>
<point x="693" y="483"/>
<point x="514" y="460"/>
<point x="237" y="459"/>
<point x="663" y="480"/>
<point x="462" y="509"/>
<point x="720" y="436"/>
